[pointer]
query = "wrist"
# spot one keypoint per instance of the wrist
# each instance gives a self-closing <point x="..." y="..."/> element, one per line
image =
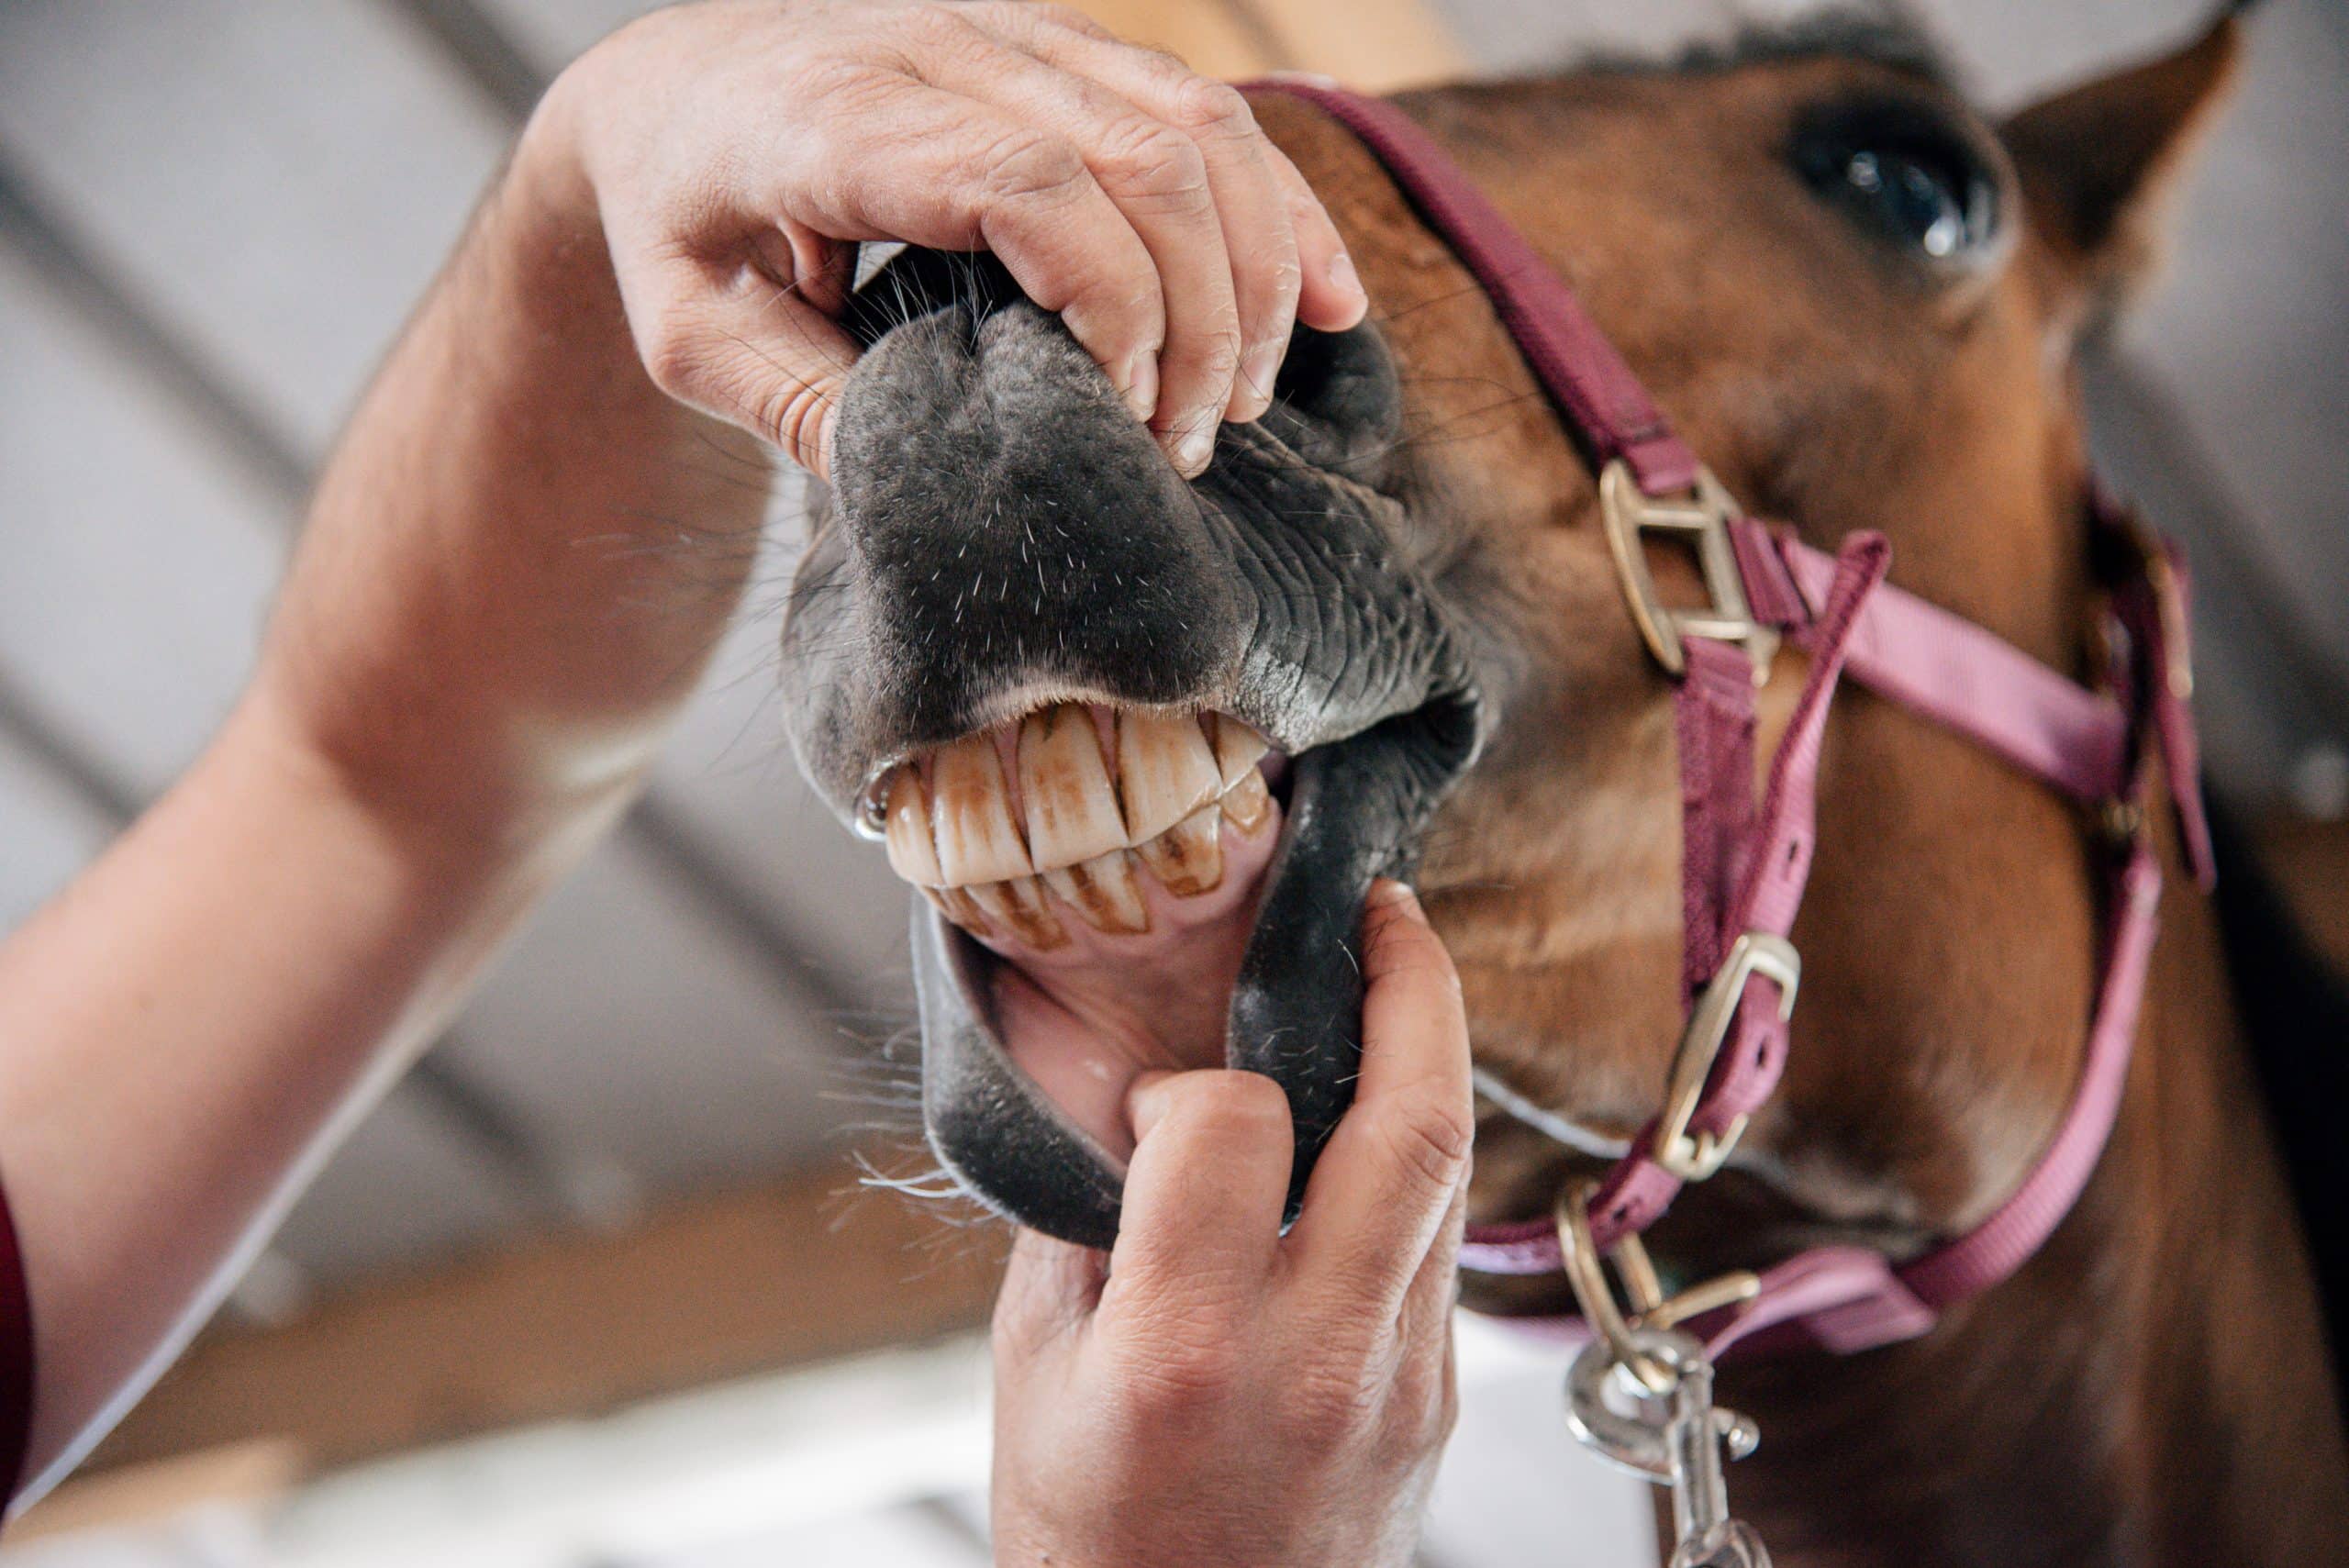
<point x="547" y="180"/>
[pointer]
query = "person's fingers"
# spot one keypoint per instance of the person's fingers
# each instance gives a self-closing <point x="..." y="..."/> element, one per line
<point x="1330" y="297"/>
<point x="1204" y="1195"/>
<point x="958" y="174"/>
<point x="1160" y="176"/>
<point x="1050" y="1287"/>
<point x="1251" y="203"/>
<point x="1428" y="1299"/>
<point x="1380" y="1197"/>
<point x="729" y="340"/>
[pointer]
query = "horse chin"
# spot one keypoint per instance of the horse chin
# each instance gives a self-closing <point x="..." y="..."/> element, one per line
<point x="1222" y="939"/>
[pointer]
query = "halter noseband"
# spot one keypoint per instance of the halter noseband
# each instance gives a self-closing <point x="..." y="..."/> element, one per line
<point x="1744" y="863"/>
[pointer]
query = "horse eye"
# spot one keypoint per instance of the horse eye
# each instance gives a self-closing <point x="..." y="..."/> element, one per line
<point x="1904" y="177"/>
<point x="1921" y="204"/>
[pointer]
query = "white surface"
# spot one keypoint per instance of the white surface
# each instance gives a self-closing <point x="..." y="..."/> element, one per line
<point x="877" y="1462"/>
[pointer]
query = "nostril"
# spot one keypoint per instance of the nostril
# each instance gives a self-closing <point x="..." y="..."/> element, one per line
<point x="1305" y="373"/>
<point x="1337" y="401"/>
<point x="917" y="283"/>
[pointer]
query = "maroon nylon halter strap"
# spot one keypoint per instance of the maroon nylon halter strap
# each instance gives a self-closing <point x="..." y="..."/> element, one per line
<point x="1744" y="866"/>
<point x="1607" y="405"/>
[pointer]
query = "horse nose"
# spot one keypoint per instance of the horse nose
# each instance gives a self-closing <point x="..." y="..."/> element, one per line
<point x="1011" y="533"/>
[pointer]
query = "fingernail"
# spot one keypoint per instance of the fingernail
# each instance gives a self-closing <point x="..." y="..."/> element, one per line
<point x="1342" y="274"/>
<point x="1388" y="893"/>
<point x="1141" y="384"/>
<point x="1258" y="372"/>
<point x="1195" y="446"/>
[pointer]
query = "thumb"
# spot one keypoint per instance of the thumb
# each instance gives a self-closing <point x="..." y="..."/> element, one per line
<point x="1204" y="1189"/>
<point x="738" y="346"/>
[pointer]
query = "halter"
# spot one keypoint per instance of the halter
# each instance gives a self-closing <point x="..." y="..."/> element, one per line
<point x="1744" y="863"/>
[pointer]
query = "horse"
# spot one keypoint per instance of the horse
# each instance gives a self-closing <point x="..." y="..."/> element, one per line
<point x="1141" y="742"/>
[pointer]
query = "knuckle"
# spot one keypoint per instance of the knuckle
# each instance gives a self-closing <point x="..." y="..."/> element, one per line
<point x="1162" y="70"/>
<point x="1186" y="1373"/>
<point x="1327" y="1406"/>
<point x="1202" y="104"/>
<point x="1405" y="951"/>
<point x="1119" y="314"/>
<point x="1216" y="352"/>
<point x="1248" y="1100"/>
<point x="939" y="29"/>
<point x="1430" y="1141"/>
<point x="1027" y="165"/>
<point x="1066" y="17"/>
<point x="1281" y="278"/>
<point x="1143" y="158"/>
<point x="1422" y="1422"/>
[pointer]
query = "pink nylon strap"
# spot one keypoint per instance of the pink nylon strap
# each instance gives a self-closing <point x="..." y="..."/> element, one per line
<point x="1952" y="672"/>
<point x="1609" y="406"/>
<point x="16" y="1358"/>
<point x="1741" y="869"/>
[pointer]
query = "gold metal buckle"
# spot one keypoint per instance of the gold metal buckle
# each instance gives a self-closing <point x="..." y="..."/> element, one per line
<point x="1693" y="1157"/>
<point x="1651" y="1309"/>
<point x="1702" y="519"/>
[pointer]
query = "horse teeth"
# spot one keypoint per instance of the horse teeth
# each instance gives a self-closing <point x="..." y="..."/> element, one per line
<point x="1249" y="802"/>
<point x="1019" y="905"/>
<point x="954" y="831"/>
<point x="978" y="840"/>
<point x="1166" y="770"/>
<point x="1106" y="892"/>
<point x="1188" y="857"/>
<point x="913" y="853"/>
<point x="1238" y="750"/>
<point x="957" y="905"/>
<point x="1072" y="807"/>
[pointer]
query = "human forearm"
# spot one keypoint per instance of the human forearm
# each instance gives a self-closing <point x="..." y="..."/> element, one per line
<point x="198" y="1018"/>
<point x="511" y="575"/>
<point x="522" y="550"/>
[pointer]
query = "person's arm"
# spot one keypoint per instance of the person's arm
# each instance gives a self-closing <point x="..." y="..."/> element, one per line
<point x="518" y="563"/>
<point x="512" y="572"/>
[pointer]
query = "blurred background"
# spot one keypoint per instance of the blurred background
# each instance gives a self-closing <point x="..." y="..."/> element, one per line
<point x="606" y="1280"/>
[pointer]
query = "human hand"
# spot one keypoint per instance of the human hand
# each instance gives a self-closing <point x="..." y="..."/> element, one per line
<point x="734" y="148"/>
<point x="1213" y="1392"/>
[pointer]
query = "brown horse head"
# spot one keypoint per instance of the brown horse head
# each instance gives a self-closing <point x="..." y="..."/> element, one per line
<point x="1050" y="670"/>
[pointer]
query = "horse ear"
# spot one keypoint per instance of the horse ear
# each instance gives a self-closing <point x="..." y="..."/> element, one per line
<point x="2100" y="162"/>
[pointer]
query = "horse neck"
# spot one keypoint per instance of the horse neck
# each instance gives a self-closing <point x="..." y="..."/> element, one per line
<point x="2152" y="1388"/>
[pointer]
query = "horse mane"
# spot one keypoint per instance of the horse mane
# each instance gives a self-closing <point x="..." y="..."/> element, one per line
<point x="1885" y="36"/>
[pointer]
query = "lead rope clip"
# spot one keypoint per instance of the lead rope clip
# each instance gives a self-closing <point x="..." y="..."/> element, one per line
<point x="1676" y="1439"/>
<point x="1640" y="1394"/>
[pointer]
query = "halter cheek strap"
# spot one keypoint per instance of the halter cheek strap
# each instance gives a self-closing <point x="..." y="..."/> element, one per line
<point x="1745" y="863"/>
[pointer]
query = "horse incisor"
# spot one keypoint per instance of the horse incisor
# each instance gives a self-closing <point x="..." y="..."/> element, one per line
<point x="1860" y="301"/>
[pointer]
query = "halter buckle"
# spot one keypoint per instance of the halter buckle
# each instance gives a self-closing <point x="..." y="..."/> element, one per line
<point x="1695" y="1156"/>
<point x="1701" y="519"/>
